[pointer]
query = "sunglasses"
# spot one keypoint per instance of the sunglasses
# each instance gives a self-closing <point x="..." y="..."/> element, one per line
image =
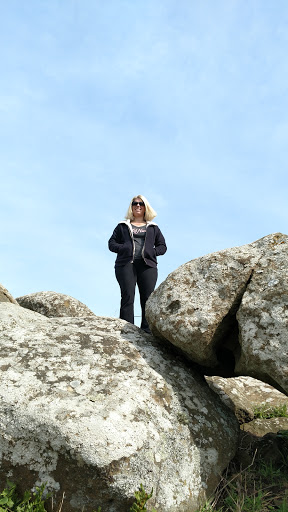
<point x="134" y="203"/>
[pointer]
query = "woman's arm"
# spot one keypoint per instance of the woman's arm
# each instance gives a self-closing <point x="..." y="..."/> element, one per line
<point x="160" y="244"/>
<point x="115" y="242"/>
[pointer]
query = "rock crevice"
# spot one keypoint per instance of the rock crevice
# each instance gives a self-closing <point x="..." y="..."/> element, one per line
<point x="226" y="338"/>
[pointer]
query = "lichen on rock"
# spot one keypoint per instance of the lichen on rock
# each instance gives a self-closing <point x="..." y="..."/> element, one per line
<point x="53" y="304"/>
<point x="95" y="406"/>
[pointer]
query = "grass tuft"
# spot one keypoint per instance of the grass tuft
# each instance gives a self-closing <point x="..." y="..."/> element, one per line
<point x="263" y="411"/>
<point x="262" y="487"/>
<point x="30" y="502"/>
<point x="141" y="498"/>
<point x="10" y="501"/>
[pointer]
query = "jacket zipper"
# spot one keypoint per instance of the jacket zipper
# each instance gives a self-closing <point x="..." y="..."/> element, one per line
<point x="147" y="225"/>
<point x="133" y="243"/>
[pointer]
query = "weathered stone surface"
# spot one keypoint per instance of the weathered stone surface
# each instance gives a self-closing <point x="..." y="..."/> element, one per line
<point x="244" y="394"/>
<point x="263" y="318"/>
<point x="6" y="296"/>
<point x="260" y="427"/>
<point x="53" y="304"/>
<point x="196" y="309"/>
<point x="94" y="407"/>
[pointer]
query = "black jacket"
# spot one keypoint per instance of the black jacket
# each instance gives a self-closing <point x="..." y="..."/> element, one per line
<point x="122" y="243"/>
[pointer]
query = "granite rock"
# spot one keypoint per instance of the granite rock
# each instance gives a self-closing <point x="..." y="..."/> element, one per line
<point x="244" y="395"/>
<point x="5" y="295"/>
<point x="94" y="407"/>
<point x="263" y="318"/>
<point x="53" y="304"/>
<point x="230" y="306"/>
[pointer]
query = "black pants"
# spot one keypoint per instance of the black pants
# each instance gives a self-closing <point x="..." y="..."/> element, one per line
<point x="127" y="276"/>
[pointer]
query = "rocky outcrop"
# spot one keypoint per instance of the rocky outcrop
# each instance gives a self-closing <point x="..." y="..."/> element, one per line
<point x="245" y="396"/>
<point x="6" y="296"/>
<point x="53" y="304"/>
<point x="94" y="407"/>
<point x="230" y="306"/>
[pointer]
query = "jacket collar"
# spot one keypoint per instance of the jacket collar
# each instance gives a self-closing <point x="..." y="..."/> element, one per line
<point x="128" y="222"/>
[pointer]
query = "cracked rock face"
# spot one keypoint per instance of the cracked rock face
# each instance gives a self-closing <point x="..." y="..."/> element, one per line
<point x="234" y="300"/>
<point x="94" y="407"/>
<point x="263" y="318"/>
<point x="53" y="304"/>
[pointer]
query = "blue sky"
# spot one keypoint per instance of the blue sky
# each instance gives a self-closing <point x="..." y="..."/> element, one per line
<point x="184" y="102"/>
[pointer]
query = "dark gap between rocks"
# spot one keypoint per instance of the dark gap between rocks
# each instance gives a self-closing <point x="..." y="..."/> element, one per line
<point x="226" y="339"/>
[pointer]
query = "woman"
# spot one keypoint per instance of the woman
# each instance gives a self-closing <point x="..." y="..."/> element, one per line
<point x="137" y="241"/>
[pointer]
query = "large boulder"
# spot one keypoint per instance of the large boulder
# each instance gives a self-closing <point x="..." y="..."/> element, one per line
<point x="5" y="295"/>
<point x="53" y="304"/>
<point x="230" y="305"/>
<point x="94" y="407"/>
<point x="263" y="318"/>
<point x="194" y="307"/>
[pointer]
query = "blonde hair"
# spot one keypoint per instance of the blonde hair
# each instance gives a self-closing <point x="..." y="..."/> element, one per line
<point x="149" y="214"/>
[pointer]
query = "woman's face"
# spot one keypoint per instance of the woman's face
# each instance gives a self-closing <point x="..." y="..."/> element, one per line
<point x="138" y="210"/>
